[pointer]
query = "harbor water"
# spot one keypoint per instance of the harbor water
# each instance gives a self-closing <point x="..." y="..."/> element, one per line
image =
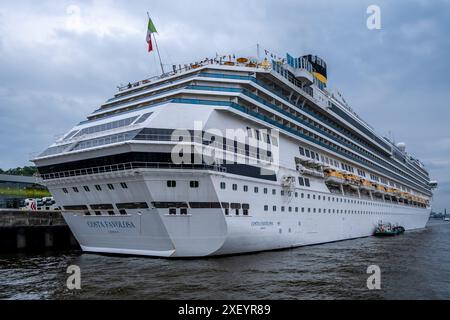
<point x="415" y="265"/>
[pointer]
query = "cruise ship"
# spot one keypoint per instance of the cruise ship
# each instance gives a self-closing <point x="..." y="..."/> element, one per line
<point x="230" y="155"/>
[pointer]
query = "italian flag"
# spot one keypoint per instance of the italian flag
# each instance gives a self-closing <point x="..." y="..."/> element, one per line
<point x="151" y="29"/>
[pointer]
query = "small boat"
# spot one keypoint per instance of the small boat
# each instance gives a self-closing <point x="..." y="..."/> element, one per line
<point x="366" y="185"/>
<point x="334" y="177"/>
<point x="379" y="189"/>
<point x="446" y="219"/>
<point x="387" y="230"/>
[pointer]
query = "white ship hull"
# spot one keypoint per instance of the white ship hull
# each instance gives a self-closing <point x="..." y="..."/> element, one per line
<point x="209" y="232"/>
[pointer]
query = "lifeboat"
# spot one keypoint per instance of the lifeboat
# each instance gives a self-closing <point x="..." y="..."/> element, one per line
<point x="391" y="191"/>
<point x="229" y="63"/>
<point x="334" y="177"/>
<point x="242" y="60"/>
<point x="366" y="185"/>
<point x="351" y="180"/>
<point x="379" y="189"/>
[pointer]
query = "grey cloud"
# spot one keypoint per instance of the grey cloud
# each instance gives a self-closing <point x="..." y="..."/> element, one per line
<point x="396" y="78"/>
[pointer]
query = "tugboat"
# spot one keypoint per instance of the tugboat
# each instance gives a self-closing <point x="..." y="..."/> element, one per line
<point x="388" y="230"/>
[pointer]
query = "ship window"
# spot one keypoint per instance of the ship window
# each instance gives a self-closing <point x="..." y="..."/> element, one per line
<point x="245" y="188"/>
<point x="194" y="184"/>
<point x="235" y="205"/>
<point x="86" y="188"/>
<point x="98" y="213"/>
<point x="222" y="185"/>
<point x="282" y="209"/>
<point x="111" y="213"/>
<point x="309" y="209"/>
<point x="313" y="155"/>
<point x="235" y="187"/>
<point x="237" y="211"/>
<point x="98" y="187"/>
<point x="303" y="195"/>
<point x="314" y="197"/>
<point x="290" y="209"/>
<point x="296" y="194"/>
<point x="123" y="185"/>
<point x="307" y="153"/>
<point x="274" y="192"/>
<point x="107" y="126"/>
<point x="65" y="190"/>
<point x="171" y="184"/>
<point x="274" y="208"/>
<point x="256" y="189"/>
<point x="303" y="209"/>
<point x="172" y="211"/>
<point x="265" y="190"/>
<point x="282" y="192"/>
<point x="245" y="212"/>
<point x="296" y="209"/>
<point x="266" y="208"/>
<point x="143" y="118"/>
<point x="132" y="205"/>
<point x="308" y="196"/>
<point x="110" y="186"/>
<point x="307" y="182"/>
<point x="183" y="211"/>
<point x="302" y="151"/>
<point x="301" y="181"/>
<point x="101" y="206"/>
<point x="75" y="189"/>
<point x="123" y="212"/>
<point x="227" y="211"/>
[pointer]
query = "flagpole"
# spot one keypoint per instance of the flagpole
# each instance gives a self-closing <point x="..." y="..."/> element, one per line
<point x="157" y="49"/>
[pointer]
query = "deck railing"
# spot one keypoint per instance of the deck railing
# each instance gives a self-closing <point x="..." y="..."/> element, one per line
<point x="128" y="166"/>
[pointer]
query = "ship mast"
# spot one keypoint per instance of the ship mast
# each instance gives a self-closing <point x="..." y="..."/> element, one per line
<point x="157" y="49"/>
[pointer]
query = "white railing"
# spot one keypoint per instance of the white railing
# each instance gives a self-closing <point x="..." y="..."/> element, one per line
<point x="128" y="166"/>
<point x="187" y="67"/>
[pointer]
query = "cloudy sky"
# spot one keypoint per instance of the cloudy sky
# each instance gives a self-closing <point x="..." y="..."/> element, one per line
<point x="60" y="59"/>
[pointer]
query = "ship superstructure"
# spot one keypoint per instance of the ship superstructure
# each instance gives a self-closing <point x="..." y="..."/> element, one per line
<point x="230" y="155"/>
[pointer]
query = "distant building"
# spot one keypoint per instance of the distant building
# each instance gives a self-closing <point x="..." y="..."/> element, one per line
<point x="15" y="189"/>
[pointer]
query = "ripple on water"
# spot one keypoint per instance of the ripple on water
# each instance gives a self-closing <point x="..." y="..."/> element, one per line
<point x="414" y="266"/>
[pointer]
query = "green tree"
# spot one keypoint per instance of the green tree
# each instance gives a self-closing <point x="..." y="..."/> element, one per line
<point x="19" y="171"/>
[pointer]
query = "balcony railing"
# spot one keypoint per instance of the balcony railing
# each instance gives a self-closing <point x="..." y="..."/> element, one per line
<point x="128" y="166"/>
